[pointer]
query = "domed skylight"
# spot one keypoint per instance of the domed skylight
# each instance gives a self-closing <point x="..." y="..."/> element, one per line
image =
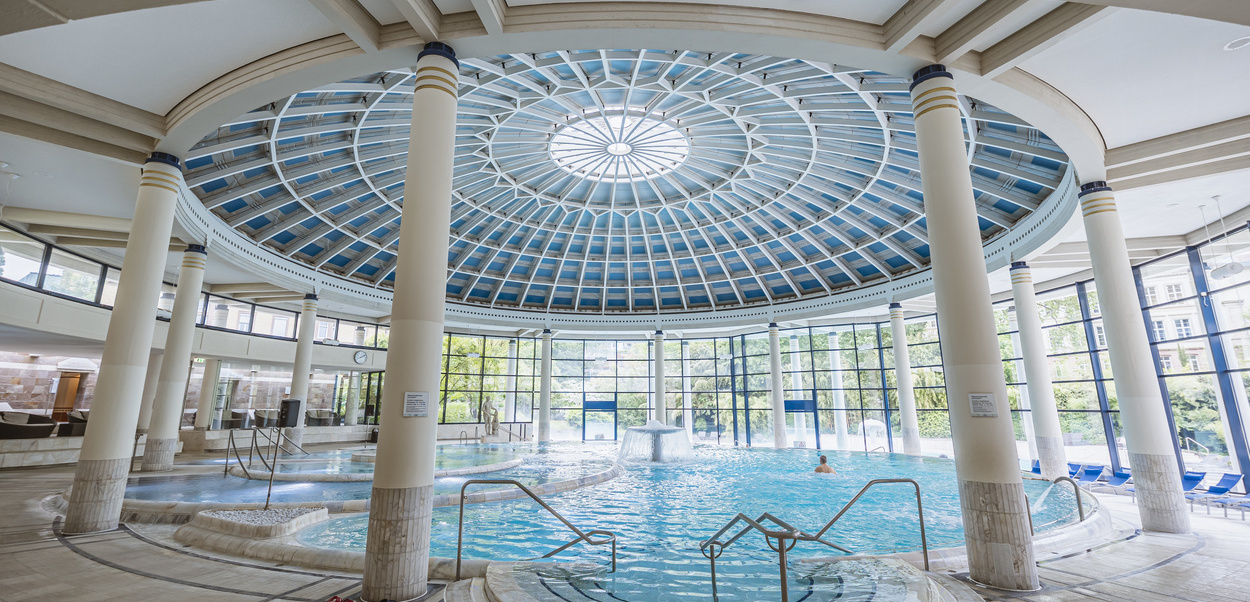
<point x="620" y="180"/>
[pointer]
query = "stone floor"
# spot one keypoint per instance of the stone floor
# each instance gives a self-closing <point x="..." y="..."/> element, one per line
<point x="36" y="562"/>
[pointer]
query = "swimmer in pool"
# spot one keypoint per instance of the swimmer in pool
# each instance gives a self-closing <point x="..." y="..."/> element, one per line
<point x="824" y="466"/>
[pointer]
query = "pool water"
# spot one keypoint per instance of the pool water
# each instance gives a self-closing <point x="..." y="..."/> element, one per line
<point x="339" y="461"/>
<point x="661" y="513"/>
<point x="539" y="467"/>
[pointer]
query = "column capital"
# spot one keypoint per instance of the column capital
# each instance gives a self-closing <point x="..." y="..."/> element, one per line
<point x="896" y="305"/>
<point x="439" y="49"/>
<point x="194" y="248"/>
<point x="310" y="297"/>
<point x="772" y="325"/>
<point x="1019" y="265"/>
<point x="1092" y="187"/>
<point x="165" y="158"/>
<point x="928" y="73"/>
<point x="659" y="333"/>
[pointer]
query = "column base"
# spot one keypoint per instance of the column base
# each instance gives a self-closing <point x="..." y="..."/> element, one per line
<point x="397" y="551"/>
<point x="999" y="539"/>
<point x="95" y="502"/>
<point x="911" y="442"/>
<point x="1051" y="457"/>
<point x="158" y="455"/>
<point x="1157" y="485"/>
<point x="295" y="436"/>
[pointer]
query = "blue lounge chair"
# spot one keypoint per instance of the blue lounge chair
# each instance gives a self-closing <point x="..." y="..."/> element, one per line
<point x="1073" y="469"/>
<point x="1214" y="492"/>
<point x="1118" y="481"/>
<point x="1090" y="475"/>
<point x="1037" y="467"/>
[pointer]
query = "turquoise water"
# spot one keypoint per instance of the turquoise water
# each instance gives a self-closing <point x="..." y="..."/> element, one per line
<point x="539" y="467"/>
<point x="661" y="513"/>
<point x="339" y="461"/>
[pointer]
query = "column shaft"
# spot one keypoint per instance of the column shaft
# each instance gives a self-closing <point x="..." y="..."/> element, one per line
<point x="661" y="403"/>
<point x="843" y="437"/>
<point x="171" y="388"/>
<point x="1029" y="434"/>
<point x="687" y="410"/>
<point x="1045" y="415"/>
<point x="301" y="371"/>
<point x="778" y="393"/>
<point x="1156" y="475"/>
<point x="509" y="385"/>
<point x="397" y="549"/>
<point x="798" y="392"/>
<point x="205" y="409"/>
<point x="902" y="376"/>
<point x="100" y="479"/>
<point x="1000" y="546"/>
<point x="544" y="390"/>
<point x="149" y="391"/>
<point x="353" y="399"/>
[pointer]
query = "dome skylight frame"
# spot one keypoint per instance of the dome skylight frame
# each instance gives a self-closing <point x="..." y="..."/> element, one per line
<point x="800" y="181"/>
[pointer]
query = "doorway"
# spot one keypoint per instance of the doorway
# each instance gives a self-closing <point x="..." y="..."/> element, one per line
<point x="66" y="390"/>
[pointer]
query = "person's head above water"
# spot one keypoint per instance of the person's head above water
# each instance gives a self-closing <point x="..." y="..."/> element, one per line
<point x="824" y="460"/>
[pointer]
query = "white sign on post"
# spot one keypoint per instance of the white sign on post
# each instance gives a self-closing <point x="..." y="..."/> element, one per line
<point x="416" y="403"/>
<point x="983" y="405"/>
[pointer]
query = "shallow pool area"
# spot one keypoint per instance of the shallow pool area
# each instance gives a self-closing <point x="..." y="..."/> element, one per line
<point x="661" y="512"/>
<point x="538" y="467"/>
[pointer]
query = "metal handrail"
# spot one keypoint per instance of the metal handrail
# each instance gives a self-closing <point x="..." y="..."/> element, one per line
<point x="1080" y="506"/>
<point x="231" y="446"/>
<point x="787" y="532"/>
<point x="610" y="537"/>
<point x="1204" y="448"/>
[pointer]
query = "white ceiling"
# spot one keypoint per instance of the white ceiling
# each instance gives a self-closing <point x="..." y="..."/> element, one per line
<point x="1172" y="208"/>
<point x="871" y="11"/>
<point x="154" y="58"/>
<point x="1141" y="75"/>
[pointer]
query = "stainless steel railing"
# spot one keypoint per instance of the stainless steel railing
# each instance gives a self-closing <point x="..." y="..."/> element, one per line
<point x="1080" y="505"/>
<point x="713" y="547"/>
<point x="586" y="536"/>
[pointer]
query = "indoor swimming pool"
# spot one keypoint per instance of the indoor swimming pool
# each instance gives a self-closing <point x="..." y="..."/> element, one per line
<point x="661" y="512"/>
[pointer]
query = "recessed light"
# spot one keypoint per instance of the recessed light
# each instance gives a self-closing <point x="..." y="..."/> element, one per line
<point x="1170" y="205"/>
<point x="1237" y="44"/>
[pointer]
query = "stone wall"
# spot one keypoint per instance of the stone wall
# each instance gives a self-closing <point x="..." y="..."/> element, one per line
<point x="28" y="382"/>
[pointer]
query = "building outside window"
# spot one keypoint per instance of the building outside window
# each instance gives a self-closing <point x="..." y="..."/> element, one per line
<point x="1183" y="328"/>
<point x="1160" y="331"/>
<point x="279" y="326"/>
<point x="1174" y="292"/>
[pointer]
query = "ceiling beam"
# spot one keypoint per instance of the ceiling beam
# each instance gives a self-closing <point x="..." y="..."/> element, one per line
<point x="493" y="14"/>
<point x="175" y="245"/>
<point x="979" y="26"/>
<point x="246" y="289"/>
<point x="422" y="15"/>
<point x="907" y="23"/>
<point x="28" y="215"/>
<point x="1050" y="29"/>
<point x="354" y="20"/>
<point x="1229" y="11"/>
<point x="1203" y="151"/>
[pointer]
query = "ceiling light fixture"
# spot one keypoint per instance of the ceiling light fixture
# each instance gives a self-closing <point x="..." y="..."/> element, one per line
<point x="1237" y="44"/>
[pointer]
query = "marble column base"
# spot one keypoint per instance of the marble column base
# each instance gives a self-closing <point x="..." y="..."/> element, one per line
<point x="1051" y="457"/>
<point x="1157" y="485"/>
<point x="999" y="539"/>
<point x="158" y="455"/>
<point x="296" y="436"/>
<point x="397" y="547"/>
<point x="95" y="502"/>
<point x="911" y="442"/>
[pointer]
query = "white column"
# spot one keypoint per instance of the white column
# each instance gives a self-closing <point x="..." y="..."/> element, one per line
<point x="778" y="393"/>
<point x="220" y="316"/>
<point x="509" y="385"/>
<point x="687" y="407"/>
<point x="171" y="388"/>
<point x="798" y="392"/>
<point x="149" y="391"/>
<point x="902" y="376"/>
<point x="1156" y="475"/>
<point x="398" y="548"/>
<point x="839" y="396"/>
<point x="301" y="371"/>
<point x="353" y="399"/>
<point x="544" y="390"/>
<point x="1046" y="429"/>
<point x="661" y="402"/>
<point x="991" y="492"/>
<point x="105" y="459"/>
<point x="1030" y="435"/>
<point x="208" y="395"/>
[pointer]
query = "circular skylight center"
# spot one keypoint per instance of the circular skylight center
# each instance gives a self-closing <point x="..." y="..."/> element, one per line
<point x="619" y="148"/>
